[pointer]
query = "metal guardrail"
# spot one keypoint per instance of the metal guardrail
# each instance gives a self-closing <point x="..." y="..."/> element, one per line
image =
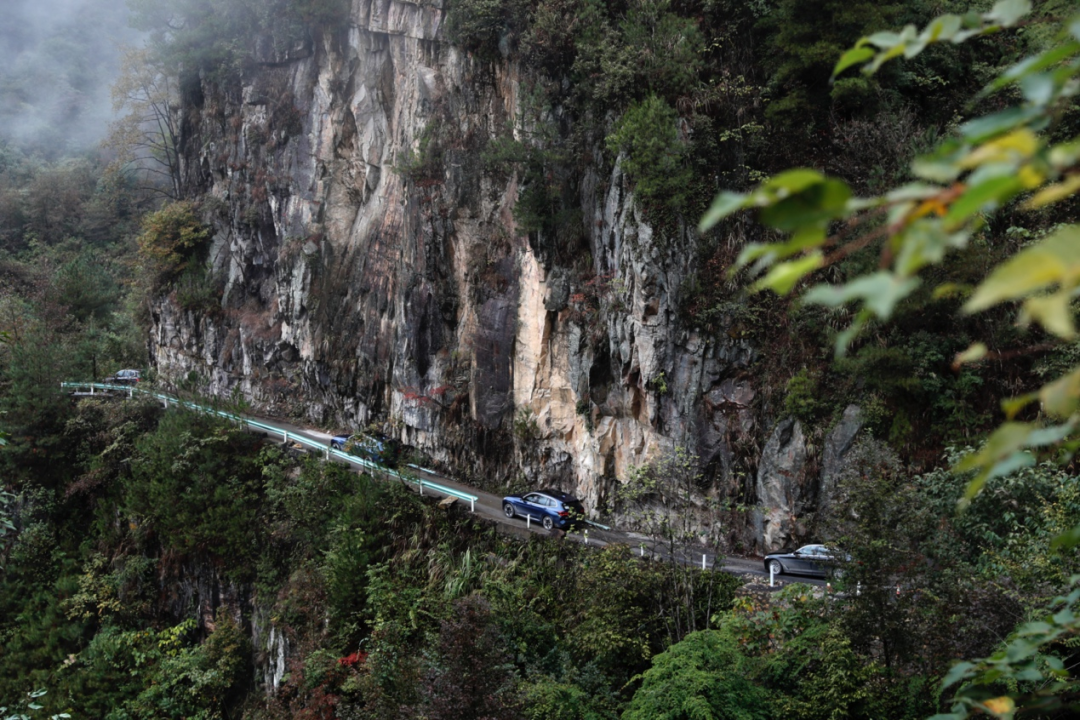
<point x="131" y="390"/>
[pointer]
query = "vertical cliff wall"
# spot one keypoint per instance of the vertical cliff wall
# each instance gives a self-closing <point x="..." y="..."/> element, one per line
<point x="371" y="270"/>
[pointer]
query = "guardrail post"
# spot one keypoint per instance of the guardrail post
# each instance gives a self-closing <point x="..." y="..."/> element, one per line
<point x="327" y="452"/>
<point x="472" y="505"/>
<point x="285" y="437"/>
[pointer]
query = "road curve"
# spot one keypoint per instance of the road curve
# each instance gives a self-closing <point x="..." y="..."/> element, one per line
<point x="490" y="507"/>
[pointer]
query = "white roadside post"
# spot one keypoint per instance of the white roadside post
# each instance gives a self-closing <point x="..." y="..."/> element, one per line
<point x="702" y="561"/>
<point x="642" y="546"/>
<point x="772" y="575"/>
<point x="586" y="536"/>
<point x="285" y="437"/>
<point x="528" y="521"/>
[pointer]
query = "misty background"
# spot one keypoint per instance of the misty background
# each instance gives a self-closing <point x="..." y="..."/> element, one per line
<point x="58" y="60"/>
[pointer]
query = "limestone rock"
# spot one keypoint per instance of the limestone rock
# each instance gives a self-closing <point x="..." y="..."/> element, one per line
<point x="373" y="271"/>
<point x="837" y="444"/>
<point x="781" y="487"/>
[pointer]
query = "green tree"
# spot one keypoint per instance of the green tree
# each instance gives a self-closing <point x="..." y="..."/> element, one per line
<point x="995" y="159"/>
<point x="173" y="239"/>
<point x="664" y="499"/>
<point x="703" y="677"/>
<point x="655" y="156"/>
<point x="805" y="41"/>
<point x="1025" y="150"/>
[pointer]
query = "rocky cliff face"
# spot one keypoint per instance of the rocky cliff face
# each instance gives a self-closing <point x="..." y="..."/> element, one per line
<point x="371" y="270"/>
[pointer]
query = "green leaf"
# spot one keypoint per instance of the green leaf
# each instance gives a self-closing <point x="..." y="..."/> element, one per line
<point x="803" y="239"/>
<point x="1036" y="627"/>
<point x="1053" y="193"/>
<point x="852" y="57"/>
<point x="1053" y="312"/>
<point x="989" y="194"/>
<point x="987" y="126"/>
<point x="976" y="352"/>
<point x="1054" y="260"/>
<point x="956" y="673"/>
<point x="883" y="58"/>
<point x="1012" y="406"/>
<point x="1043" y="61"/>
<point x="783" y="278"/>
<point x="884" y="39"/>
<point x="1052" y="435"/>
<point x="725" y="204"/>
<point x="1009" y="12"/>
<point x="912" y="191"/>
<point x="942" y="28"/>
<point x="789" y="182"/>
<point x="844" y="339"/>
<point x="1067" y="540"/>
<point x="924" y="243"/>
<point x="880" y="292"/>
<point x="1065" y="155"/>
<point x="1029" y="674"/>
<point x="1038" y="88"/>
<point x="1007" y="466"/>
<point x="1064" y="617"/>
<point x="1004" y="441"/>
<point x="936" y="169"/>
<point x="1060" y="397"/>
<point x="814" y="204"/>
<point x="753" y="251"/>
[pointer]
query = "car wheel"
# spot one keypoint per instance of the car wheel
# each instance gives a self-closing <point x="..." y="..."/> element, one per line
<point x="508" y="510"/>
<point x="548" y="522"/>
<point x="774" y="567"/>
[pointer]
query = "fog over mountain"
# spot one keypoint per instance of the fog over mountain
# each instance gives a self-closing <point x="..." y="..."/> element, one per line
<point x="58" y="59"/>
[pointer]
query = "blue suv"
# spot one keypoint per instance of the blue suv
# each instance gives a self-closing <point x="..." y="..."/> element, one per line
<point x="552" y="508"/>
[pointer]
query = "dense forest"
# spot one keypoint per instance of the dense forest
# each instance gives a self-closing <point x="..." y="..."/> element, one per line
<point x="161" y="563"/>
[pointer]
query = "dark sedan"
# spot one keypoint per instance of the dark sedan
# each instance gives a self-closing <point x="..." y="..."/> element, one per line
<point x="124" y="377"/>
<point x="551" y="508"/>
<point x="817" y="560"/>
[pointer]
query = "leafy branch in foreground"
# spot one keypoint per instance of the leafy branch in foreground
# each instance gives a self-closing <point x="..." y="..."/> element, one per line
<point x="1039" y="680"/>
<point x="994" y="160"/>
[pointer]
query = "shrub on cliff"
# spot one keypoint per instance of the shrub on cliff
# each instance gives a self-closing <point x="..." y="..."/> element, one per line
<point x="172" y="239"/>
<point x="487" y="28"/>
<point x="655" y="155"/>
